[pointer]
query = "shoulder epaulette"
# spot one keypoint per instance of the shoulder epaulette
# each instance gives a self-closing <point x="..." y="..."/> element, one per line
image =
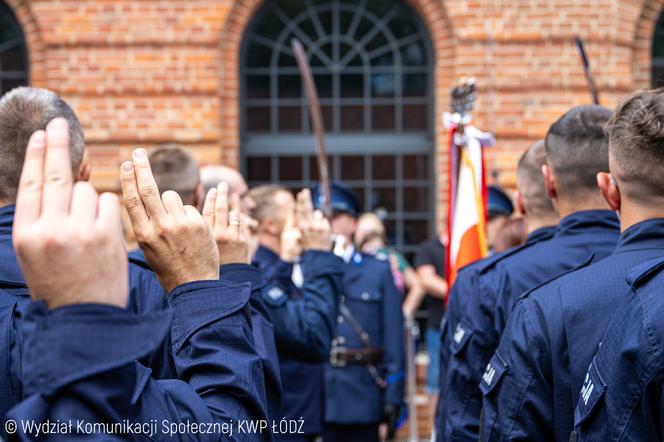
<point x="641" y="273"/>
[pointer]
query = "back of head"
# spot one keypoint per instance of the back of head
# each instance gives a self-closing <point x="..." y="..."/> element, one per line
<point x="577" y="149"/>
<point x="513" y="233"/>
<point x="530" y="182"/>
<point x="175" y="168"/>
<point x="23" y="111"/>
<point x="266" y="205"/>
<point x="636" y="145"/>
<point x="212" y="175"/>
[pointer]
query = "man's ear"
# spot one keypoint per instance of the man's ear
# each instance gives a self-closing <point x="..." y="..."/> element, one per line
<point x="549" y="182"/>
<point x="83" y="173"/>
<point x="610" y="191"/>
<point x="520" y="204"/>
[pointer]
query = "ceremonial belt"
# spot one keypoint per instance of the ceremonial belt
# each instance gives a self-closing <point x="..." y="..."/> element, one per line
<point x="343" y="356"/>
<point x="368" y="356"/>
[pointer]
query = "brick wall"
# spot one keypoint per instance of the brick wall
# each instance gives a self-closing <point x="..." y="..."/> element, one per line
<point x="150" y="71"/>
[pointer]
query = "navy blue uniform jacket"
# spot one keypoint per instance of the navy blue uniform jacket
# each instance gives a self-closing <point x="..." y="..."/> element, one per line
<point x="450" y="409"/>
<point x="551" y="338"/>
<point x="622" y="397"/>
<point x="146" y="297"/>
<point x="304" y="322"/>
<point x="579" y="237"/>
<point x="351" y="395"/>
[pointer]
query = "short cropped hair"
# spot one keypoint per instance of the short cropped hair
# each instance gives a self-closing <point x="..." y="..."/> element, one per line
<point x="23" y="111"/>
<point x="264" y="198"/>
<point x="577" y="148"/>
<point x="530" y="181"/>
<point x="636" y="144"/>
<point x="175" y="168"/>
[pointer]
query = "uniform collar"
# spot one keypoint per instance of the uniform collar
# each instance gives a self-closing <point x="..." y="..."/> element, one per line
<point x="541" y="234"/>
<point x="584" y="220"/>
<point x="7" y="218"/>
<point x="648" y="234"/>
<point x="264" y="255"/>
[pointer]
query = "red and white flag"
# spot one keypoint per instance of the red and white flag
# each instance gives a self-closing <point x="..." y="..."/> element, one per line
<point x="467" y="202"/>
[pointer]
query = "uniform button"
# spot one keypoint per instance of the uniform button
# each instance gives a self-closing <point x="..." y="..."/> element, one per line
<point x="365" y="296"/>
<point x="341" y="340"/>
<point x="340" y="319"/>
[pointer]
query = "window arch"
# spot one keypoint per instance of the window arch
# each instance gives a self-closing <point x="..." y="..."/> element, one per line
<point x="372" y="63"/>
<point x="13" y="51"/>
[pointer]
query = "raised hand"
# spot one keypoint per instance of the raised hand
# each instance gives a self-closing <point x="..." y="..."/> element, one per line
<point x="229" y="226"/>
<point x="290" y="240"/>
<point x="68" y="240"/>
<point x="174" y="238"/>
<point x="314" y="227"/>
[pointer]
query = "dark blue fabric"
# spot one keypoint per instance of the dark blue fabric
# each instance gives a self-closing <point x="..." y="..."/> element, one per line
<point x="261" y="327"/>
<point x="552" y="336"/>
<point x="80" y="364"/>
<point x="580" y="237"/>
<point x="351" y="395"/>
<point x="304" y="324"/>
<point x="455" y="381"/>
<point x="622" y="396"/>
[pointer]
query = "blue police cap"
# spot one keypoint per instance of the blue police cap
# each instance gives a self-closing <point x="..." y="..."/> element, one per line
<point x="343" y="199"/>
<point x="499" y="202"/>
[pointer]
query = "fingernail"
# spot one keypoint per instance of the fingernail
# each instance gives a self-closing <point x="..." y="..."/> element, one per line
<point x="139" y="153"/>
<point x="127" y="167"/>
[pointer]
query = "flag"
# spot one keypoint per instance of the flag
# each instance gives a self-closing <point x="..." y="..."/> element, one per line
<point x="467" y="208"/>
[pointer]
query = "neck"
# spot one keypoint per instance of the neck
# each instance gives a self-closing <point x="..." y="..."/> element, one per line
<point x="270" y="242"/>
<point x="633" y="213"/>
<point x="584" y="201"/>
<point x="537" y="222"/>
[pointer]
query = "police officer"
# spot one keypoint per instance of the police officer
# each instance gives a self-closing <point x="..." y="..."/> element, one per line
<point x="555" y="318"/>
<point x="576" y="149"/>
<point x="292" y="236"/>
<point x="534" y="203"/>
<point x="620" y="395"/>
<point x="364" y="377"/>
<point x="81" y="342"/>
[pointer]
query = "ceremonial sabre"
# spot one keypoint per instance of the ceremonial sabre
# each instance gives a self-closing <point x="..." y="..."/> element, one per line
<point x="317" y="122"/>
<point x="586" y="69"/>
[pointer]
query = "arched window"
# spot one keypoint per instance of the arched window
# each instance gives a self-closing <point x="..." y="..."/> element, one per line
<point x="372" y="64"/>
<point x="13" y="52"/>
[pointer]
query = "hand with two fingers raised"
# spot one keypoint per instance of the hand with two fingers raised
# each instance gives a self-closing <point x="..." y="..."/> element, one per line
<point x="174" y="237"/>
<point x="68" y="240"/>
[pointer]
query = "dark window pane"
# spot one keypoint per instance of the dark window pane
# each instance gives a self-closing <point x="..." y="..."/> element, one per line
<point x="290" y="168"/>
<point x="258" y="55"/>
<point x="290" y="118"/>
<point x="285" y="61"/>
<point x="377" y="42"/>
<point x="391" y="230"/>
<point x="413" y="54"/>
<point x="386" y="59"/>
<point x="415" y="231"/>
<point x="13" y="59"/>
<point x="8" y="85"/>
<point x="269" y="26"/>
<point x="258" y="86"/>
<point x="380" y="7"/>
<point x="352" y="118"/>
<point x="382" y="117"/>
<point x="385" y="198"/>
<point x="352" y="167"/>
<point x="383" y="167"/>
<point x="327" y="116"/>
<point x="382" y="85"/>
<point x="415" y="167"/>
<point x="290" y="86"/>
<point x="416" y="199"/>
<point x="258" y="119"/>
<point x="324" y="85"/>
<point x="658" y="77"/>
<point x="415" y="117"/>
<point x="352" y="85"/>
<point x="258" y="169"/>
<point x="403" y="26"/>
<point x="415" y="85"/>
